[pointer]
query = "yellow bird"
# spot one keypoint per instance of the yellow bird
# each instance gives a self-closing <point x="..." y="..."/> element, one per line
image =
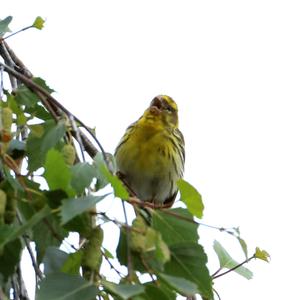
<point x="150" y="156"/>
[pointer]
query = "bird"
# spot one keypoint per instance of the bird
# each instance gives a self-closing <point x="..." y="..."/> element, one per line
<point x="150" y="156"/>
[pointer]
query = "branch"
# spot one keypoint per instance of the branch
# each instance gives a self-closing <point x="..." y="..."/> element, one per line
<point x="54" y="106"/>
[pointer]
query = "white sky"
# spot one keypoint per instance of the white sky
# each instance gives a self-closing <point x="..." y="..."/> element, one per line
<point x="234" y="69"/>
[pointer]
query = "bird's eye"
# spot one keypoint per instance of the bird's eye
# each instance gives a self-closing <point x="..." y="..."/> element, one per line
<point x="169" y="109"/>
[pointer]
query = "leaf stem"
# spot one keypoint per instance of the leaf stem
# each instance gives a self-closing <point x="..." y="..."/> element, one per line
<point x="214" y="276"/>
<point x="16" y="32"/>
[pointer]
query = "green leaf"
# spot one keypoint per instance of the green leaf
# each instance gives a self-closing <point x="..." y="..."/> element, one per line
<point x="178" y="226"/>
<point x="123" y="290"/>
<point x="34" y="144"/>
<point x="10" y="256"/>
<point x="244" y="246"/>
<point x="4" y="25"/>
<point x="183" y="286"/>
<point x="47" y="233"/>
<point x="61" y="286"/>
<point x="158" y="291"/>
<point x="191" y="197"/>
<point x="42" y="83"/>
<point x="57" y="173"/>
<point x="226" y="261"/>
<point x="117" y="185"/>
<point x="24" y="96"/>
<point x="73" y="207"/>
<point x="188" y="261"/>
<point x="108" y="254"/>
<point x="73" y="263"/>
<point x="53" y="136"/>
<point x="53" y="260"/>
<point x="15" y="231"/>
<point x="262" y="254"/>
<point x="38" y="23"/>
<point x="82" y="176"/>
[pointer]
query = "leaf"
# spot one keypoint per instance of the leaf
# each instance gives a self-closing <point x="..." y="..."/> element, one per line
<point x="61" y="286"/>
<point x="188" y="261"/>
<point x="34" y="144"/>
<point x="73" y="207"/>
<point x="73" y="263"/>
<point x="10" y="256"/>
<point x="53" y="260"/>
<point x="53" y="136"/>
<point x="158" y="291"/>
<point x="24" y="96"/>
<point x="57" y="173"/>
<point x="15" y="231"/>
<point x="42" y="83"/>
<point x="38" y="23"/>
<point x="178" y="226"/>
<point x="244" y="246"/>
<point x="47" y="233"/>
<point x="262" y="254"/>
<point x="191" y="197"/>
<point x="82" y="176"/>
<point x="123" y="290"/>
<point x="226" y="261"/>
<point x="4" y="25"/>
<point x="117" y="185"/>
<point x="183" y="286"/>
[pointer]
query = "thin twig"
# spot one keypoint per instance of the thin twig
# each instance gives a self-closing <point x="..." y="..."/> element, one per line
<point x="78" y="136"/>
<point x="111" y="265"/>
<point x="52" y="104"/>
<point x="37" y="270"/>
<point x="234" y="268"/>
<point x="16" y="32"/>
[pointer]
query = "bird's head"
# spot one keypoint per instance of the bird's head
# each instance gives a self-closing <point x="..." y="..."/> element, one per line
<point x="163" y="109"/>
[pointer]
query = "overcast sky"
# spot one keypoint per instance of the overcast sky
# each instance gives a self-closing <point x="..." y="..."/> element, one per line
<point x="233" y="67"/>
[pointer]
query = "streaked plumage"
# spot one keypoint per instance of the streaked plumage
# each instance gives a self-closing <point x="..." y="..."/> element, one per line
<point x="150" y="156"/>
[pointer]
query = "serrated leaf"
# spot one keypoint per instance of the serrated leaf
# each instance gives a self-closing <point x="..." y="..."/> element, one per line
<point x="82" y="176"/>
<point x="191" y="197"/>
<point x="183" y="286"/>
<point x="226" y="261"/>
<point x="117" y="185"/>
<point x="61" y="286"/>
<point x="262" y="254"/>
<point x="73" y="207"/>
<point x="57" y="173"/>
<point x="42" y="83"/>
<point x="178" y="226"/>
<point x="4" y="25"/>
<point x="38" y="23"/>
<point x="188" y="261"/>
<point x="123" y="290"/>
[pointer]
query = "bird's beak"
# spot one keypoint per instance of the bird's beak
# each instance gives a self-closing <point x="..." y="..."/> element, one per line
<point x="156" y="105"/>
